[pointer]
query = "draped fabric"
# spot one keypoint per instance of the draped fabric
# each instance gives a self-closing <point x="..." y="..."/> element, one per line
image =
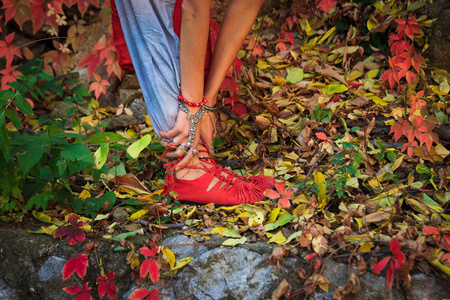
<point x="146" y="35"/>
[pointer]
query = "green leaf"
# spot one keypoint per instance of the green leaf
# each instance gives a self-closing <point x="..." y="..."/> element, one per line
<point x="334" y="89"/>
<point x="93" y="205"/>
<point x="380" y="145"/>
<point x="136" y="148"/>
<point x="121" y="236"/>
<point x="44" y="75"/>
<point x="101" y="155"/>
<point x="391" y="156"/>
<point x="295" y="75"/>
<point x="70" y="111"/>
<point x="23" y="105"/>
<point x="429" y="201"/>
<point x="40" y="200"/>
<point x="31" y="157"/>
<point x="81" y="91"/>
<point x="14" y="118"/>
<point x="104" y="137"/>
<point x="422" y="169"/>
<point x="79" y="152"/>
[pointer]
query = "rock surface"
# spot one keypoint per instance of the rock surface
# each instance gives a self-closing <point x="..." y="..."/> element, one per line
<point x="439" y="42"/>
<point x="244" y="272"/>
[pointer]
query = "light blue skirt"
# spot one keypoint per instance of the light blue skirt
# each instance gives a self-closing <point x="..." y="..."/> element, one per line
<point x="155" y="52"/>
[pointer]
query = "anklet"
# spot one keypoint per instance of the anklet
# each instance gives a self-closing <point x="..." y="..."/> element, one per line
<point x="194" y="118"/>
<point x="192" y="104"/>
<point x="210" y="108"/>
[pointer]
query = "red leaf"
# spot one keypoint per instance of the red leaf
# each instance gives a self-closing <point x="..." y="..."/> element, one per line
<point x="281" y="187"/>
<point x="321" y="136"/>
<point x="101" y="289"/>
<point x="399" y="260"/>
<point x="381" y="265"/>
<point x="326" y="5"/>
<point x="154" y="272"/>
<point x="284" y="202"/>
<point x="395" y="246"/>
<point x="430" y="230"/>
<point x="73" y="289"/>
<point x="154" y="295"/>
<point x="77" y="264"/>
<point x="390" y="275"/>
<point x="139" y="294"/>
<point x="271" y="194"/>
<point x="147" y="252"/>
<point x="63" y="231"/>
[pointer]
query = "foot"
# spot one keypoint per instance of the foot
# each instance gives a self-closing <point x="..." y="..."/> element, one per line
<point x="199" y="182"/>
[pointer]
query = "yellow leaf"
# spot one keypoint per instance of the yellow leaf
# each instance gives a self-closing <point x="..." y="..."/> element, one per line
<point x="305" y="26"/>
<point x="84" y="194"/>
<point x="182" y="262"/>
<point x="441" y="266"/>
<point x="138" y="214"/>
<point x="147" y="120"/>
<point x="442" y="151"/>
<point x="365" y="247"/>
<point x="42" y="217"/>
<point x="256" y="220"/>
<point x="391" y="192"/>
<point x="389" y="122"/>
<point x="50" y="230"/>
<point x="372" y="73"/>
<point x="417" y="206"/>
<point x="234" y="242"/>
<point x="169" y="257"/>
<point x="378" y="100"/>
<point x="277" y="238"/>
<point x="278" y="80"/>
<point x="218" y="230"/>
<point x="134" y="264"/>
<point x="319" y="179"/>
<point x="355" y="74"/>
<point x="327" y="35"/>
<point x="294" y="55"/>
<point x="274" y="214"/>
<point x="262" y="65"/>
<point x="398" y="162"/>
<point x="371" y="23"/>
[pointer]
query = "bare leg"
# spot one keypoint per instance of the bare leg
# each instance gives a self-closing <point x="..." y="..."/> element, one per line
<point x="237" y="23"/>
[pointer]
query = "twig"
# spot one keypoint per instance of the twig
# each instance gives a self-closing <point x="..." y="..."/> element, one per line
<point x="234" y="117"/>
<point x="312" y="167"/>
<point x="173" y="284"/>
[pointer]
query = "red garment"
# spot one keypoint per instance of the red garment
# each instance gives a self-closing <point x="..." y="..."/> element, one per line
<point x="121" y="47"/>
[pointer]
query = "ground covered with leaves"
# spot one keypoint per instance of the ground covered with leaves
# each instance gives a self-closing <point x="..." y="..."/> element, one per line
<point x="334" y="100"/>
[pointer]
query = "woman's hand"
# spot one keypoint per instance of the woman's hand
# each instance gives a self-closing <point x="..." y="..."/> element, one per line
<point x="180" y="134"/>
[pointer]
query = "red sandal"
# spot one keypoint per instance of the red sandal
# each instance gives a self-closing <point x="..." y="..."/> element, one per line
<point x="260" y="181"/>
<point x="227" y="191"/>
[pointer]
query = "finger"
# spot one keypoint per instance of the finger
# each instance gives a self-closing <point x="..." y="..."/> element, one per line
<point x="185" y="161"/>
<point x="169" y="134"/>
<point x="180" y="138"/>
<point x="180" y="152"/>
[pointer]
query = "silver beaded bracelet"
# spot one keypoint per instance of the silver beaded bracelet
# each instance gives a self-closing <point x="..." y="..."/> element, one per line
<point x="194" y="118"/>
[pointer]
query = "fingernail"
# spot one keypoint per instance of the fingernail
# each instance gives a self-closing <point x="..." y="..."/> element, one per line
<point x="177" y="168"/>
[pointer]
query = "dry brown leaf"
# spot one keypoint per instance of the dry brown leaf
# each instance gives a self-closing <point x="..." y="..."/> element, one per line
<point x="328" y="71"/>
<point x="379" y="216"/>
<point x="131" y="182"/>
<point x="277" y="255"/>
<point x="283" y="290"/>
<point x="262" y="123"/>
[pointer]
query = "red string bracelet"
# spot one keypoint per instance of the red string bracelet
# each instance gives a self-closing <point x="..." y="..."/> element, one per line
<point x="192" y="104"/>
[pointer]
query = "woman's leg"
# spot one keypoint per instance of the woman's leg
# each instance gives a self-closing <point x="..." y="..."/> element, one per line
<point x="237" y="22"/>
